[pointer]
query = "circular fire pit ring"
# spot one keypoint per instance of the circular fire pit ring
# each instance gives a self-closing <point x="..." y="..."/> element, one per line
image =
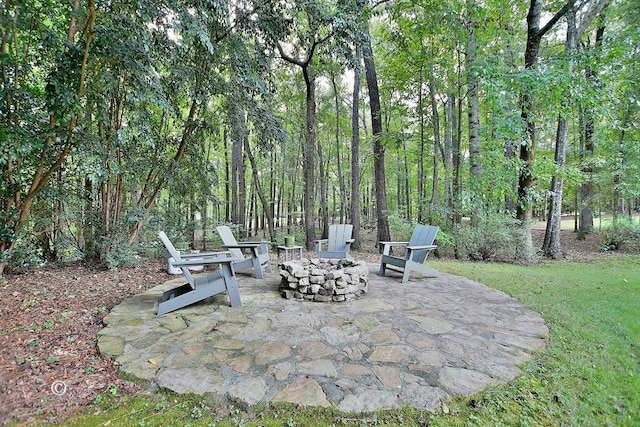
<point x="324" y="280"/>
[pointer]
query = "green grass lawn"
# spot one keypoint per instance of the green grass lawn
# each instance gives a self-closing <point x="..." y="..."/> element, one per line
<point x="589" y="374"/>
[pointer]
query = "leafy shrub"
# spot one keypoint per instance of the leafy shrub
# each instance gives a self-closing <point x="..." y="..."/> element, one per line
<point x="26" y="252"/>
<point x="622" y="235"/>
<point x="494" y="237"/>
<point x="116" y="252"/>
<point x="400" y="228"/>
<point x="446" y="242"/>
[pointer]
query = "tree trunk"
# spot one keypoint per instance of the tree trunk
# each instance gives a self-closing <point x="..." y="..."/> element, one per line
<point x="341" y="183"/>
<point x="310" y="139"/>
<point x="309" y="157"/>
<point x="405" y="181"/>
<point x="324" y="196"/>
<point x="258" y="188"/>
<point x="227" y="177"/>
<point x="422" y="196"/>
<point x="456" y="160"/>
<point x="535" y="34"/>
<point x="448" y="154"/>
<point x="475" y="168"/>
<point x="551" y="247"/>
<point x="585" y="225"/>
<point x="238" y="186"/>
<point x="436" y="147"/>
<point x="527" y="104"/>
<point x="355" y="152"/>
<point x="378" y="147"/>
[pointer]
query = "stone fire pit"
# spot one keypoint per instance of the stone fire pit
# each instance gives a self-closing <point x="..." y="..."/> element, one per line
<point x="324" y="280"/>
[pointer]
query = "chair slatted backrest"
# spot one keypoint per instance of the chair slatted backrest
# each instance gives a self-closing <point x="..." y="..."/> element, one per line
<point x="229" y="239"/>
<point x="176" y="256"/>
<point x="423" y="235"/>
<point x="339" y="234"/>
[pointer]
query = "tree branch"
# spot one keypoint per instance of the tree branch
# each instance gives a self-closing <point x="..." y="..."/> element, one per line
<point x="556" y="18"/>
<point x="595" y="10"/>
<point x="291" y="59"/>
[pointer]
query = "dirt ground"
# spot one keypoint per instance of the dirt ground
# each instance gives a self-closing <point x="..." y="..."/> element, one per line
<point x="49" y="363"/>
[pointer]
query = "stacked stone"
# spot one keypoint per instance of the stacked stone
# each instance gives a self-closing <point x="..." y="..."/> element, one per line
<point x="324" y="280"/>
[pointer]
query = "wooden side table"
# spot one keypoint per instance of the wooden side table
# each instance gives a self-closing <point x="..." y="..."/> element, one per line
<point x="289" y="252"/>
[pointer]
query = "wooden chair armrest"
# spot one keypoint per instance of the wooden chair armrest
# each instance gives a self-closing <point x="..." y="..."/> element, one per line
<point x="417" y="248"/>
<point x="264" y="248"/>
<point x="319" y="243"/>
<point x="386" y="246"/>
<point x="394" y="243"/>
<point x="222" y="258"/>
<point x="202" y="255"/>
<point x="243" y="245"/>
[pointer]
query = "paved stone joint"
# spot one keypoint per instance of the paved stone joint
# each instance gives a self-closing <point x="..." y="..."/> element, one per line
<point x="417" y="344"/>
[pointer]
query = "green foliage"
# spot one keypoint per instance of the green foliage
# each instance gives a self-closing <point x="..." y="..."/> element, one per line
<point x="116" y="252"/>
<point x="62" y="84"/>
<point x="623" y="235"/>
<point x="27" y="252"/>
<point x="400" y="228"/>
<point x="492" y="237"/>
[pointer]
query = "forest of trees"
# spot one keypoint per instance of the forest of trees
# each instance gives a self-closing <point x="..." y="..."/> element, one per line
<point x="120" y="118"/>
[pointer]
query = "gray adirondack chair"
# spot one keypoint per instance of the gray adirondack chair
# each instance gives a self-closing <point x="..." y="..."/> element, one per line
<point x="258" y="252"/>
<point x="415" y="254"/>
<point x="202" y="286"/>
<point x="338" y="244"/>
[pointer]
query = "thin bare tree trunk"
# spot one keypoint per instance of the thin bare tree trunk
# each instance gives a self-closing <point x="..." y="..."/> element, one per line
<point x="448" y="152"/>
<point x="355" y="152"/>
<point x="238" y="192"/>
<point x="258" y="188"/>
<point x="585" y="225"/>
<point x="405" y="181"/>
<point x="436" y="148"/>
<point x="475" y="168"/>
<point x="378" y="148"/>
<point x="341" y="181"/>
<point x="227" y="178"/>
<point x="422" y="196"/>
<point x="310" y="140"/>
<point x="324" y="197"/>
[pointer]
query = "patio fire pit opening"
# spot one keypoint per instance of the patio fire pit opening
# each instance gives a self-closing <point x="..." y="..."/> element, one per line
<point x="324" y="280"/>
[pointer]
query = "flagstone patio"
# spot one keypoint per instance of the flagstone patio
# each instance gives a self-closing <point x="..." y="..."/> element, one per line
<point x="417" y="343"/>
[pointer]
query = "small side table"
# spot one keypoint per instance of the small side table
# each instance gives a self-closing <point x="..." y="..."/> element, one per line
<point x="289" y="252"/>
